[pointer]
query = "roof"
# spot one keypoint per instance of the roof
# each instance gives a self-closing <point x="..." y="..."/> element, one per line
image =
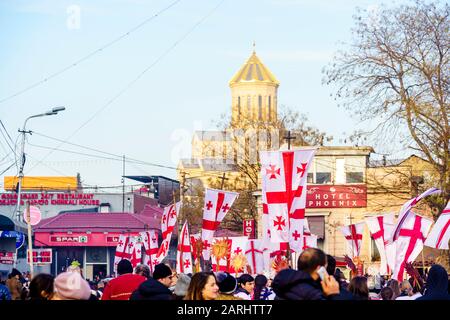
<point x="149" y="179"/>
<point x="253" y="71"/>
<point x="101" y="222"/>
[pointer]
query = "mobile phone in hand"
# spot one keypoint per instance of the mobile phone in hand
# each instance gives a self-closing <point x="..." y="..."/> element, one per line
<point x="322" y="273"/>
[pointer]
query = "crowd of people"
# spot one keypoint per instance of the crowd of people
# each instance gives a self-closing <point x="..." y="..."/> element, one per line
<point x="309" y="281"/>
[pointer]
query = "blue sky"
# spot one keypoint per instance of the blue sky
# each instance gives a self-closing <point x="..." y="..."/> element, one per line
<point x="184" y="90"/>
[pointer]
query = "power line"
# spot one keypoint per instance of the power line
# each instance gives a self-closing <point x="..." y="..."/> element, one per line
<point x="127" y="160"/>
<point x="140" y="75"/>
<point x="137" y="161"/>
<point x="86" y="57"/>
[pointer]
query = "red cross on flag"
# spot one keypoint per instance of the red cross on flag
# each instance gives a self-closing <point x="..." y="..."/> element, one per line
<point x="353" y="233"/>
<point x="136" y="256"/>
<point x="169" y="218"/>
<point x="150" y="241"/>
<point x="254" y="254"/>
<point x="124" y="249"/>
<point x="217" y="205"/>
<point x="440" y="234"/>
<point x="238" y="245"/>
<point x="284" y="177"/>
<point x="409" y="243"/>
<point x="381" y="228"/>
<point x="406" y="210"/>
<point x="184" y="257"/>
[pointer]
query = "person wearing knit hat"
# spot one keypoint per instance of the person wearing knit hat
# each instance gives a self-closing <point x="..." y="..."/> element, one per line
<point x="71" y="286"/>
<point x="181" y="287"/>
<point x="227" y="285"/>
<point x="163" y="274"/>
<point x="123" y="286"/>
<point x="156" y="287"/>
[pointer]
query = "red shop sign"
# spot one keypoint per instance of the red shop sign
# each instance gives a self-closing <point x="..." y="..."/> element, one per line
<point x="333" y="196"/>
<point x="6" y="257"/>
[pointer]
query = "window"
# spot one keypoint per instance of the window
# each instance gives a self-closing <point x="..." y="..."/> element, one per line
<point x="269" y="107"/>
<point x="239" y="106"/>
<point x="354" y="177"/>
<point x="310" y="177"/>
<point x="249" y="105"/>
<point x="323" y="177"/>
<point x="259" y="108"/>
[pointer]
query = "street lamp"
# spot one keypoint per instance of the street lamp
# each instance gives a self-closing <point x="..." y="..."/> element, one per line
<point x="22" y="152"/>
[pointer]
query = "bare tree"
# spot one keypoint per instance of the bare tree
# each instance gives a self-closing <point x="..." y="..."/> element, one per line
<point x="396" y="72"/>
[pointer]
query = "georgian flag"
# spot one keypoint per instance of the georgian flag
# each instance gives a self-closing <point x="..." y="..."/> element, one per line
<point x="254" y="253"/>
<point x="136" y="256"/>
<point x="124" y="249"/>
<point x="150" y="241"/>
<point x="284" y="177"/>
<point x="440" y="234"/>
<point x="217" y="205"/>
<point x="238" y="245"/>
<point x="309" y="241"/>
<point x="409" y="243"/>
<point x="169" y="219"/>
<point x="353" y="234"/>
<point x="381" y="227"/>
<point x="168" y="222"/>
<point x="184" y="257"/>
<point x="406" y="210"/>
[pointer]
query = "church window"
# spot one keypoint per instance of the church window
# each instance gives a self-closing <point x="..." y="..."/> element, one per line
<point x="249" y="102"/>
<point x="269" y="108"/>
<point x="259" y="107"/>
<point x="239" y="106"/>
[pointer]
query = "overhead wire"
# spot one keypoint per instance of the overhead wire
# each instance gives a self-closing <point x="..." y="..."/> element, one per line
<point x="91" y="54"/>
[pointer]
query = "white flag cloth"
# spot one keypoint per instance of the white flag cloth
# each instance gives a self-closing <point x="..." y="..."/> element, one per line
<point x="254" y="254"/>
<point x="406" y="210"/>
<point x="409" y="243"/>
<point x="284" y="176"/>
<point x="217" y="205"/>
<point x="380" y="228"/>
<point x="168" y="222"/>
<point x="309" y="241"/>
<point x="150" y="241"/>
<point x="440" y="234"/>
<point x="353" y="234"/>
<point x="238" y="245"/>
<point x="169" y="218"/>
<point x="184" y="256"/>
<point x="124" y="249"/>
<point x="265" y="218"/>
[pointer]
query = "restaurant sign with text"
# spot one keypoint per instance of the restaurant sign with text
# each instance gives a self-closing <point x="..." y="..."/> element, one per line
<point x="336" y="196"/>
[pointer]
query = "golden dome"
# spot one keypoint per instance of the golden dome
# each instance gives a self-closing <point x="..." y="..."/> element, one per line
<point x="253" y="71"/>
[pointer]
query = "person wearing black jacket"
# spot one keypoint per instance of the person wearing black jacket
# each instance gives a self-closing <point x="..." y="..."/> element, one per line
<point x="305" y="284"/>
<point x="436" y="287"/>
<point x="157" y="287"/>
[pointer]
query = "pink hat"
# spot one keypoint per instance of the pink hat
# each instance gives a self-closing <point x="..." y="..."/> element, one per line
<point x="71" y="286"/>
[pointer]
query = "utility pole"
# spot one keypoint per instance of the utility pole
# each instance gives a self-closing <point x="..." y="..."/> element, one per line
<point x="180" y="215"/>
<point x="123" y="184"/>
<point x="289" y="138"/>
<point x="22" y="153"/>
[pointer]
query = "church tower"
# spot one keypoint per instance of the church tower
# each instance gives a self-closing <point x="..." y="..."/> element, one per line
<point x="253" y="94"/>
